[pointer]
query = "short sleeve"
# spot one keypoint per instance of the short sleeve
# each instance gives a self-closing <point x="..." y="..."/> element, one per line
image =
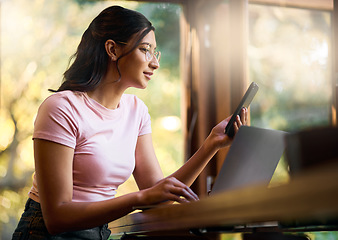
<point x="56" y="122"/>
<point x="145" y="124"/>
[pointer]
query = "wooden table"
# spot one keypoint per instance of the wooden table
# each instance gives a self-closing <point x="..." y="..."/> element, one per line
<point x="307" y="202"/>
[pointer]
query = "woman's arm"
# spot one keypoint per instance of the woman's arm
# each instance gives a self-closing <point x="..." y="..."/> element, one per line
<point x="53" y="165"/>
<point x="149" y="177"/>
<point x="147" y="171"/>
<point x="215" y="141"/>
<point x="195" y="165"/>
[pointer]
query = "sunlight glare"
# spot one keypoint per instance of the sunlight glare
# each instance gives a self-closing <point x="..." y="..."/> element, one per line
<point x="171" y="123"/>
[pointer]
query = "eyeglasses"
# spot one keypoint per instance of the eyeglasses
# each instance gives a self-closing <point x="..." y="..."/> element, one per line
<point x="149" y="53"/>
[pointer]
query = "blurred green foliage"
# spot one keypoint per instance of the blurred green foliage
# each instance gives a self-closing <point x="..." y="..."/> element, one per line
<point x="289" y="58"/>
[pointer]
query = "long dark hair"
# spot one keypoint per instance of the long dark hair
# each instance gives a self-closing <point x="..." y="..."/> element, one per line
<point x="91" y="60"/>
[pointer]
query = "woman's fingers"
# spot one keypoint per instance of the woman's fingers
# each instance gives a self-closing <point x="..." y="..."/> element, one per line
<point x="181" y="190"/>
<point x="174" y="190"/>
<point x="241" y="119"/>
<point x="244" y="116"/>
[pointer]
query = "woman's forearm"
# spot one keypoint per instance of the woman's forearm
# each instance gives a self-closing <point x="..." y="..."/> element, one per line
<point x="195" y="165"/>
<point x="73" y="216"/>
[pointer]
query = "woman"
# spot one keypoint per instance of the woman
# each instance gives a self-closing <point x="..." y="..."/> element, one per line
<point x="89" y="137"/>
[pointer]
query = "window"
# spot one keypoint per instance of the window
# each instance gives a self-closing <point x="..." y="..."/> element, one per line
<point x="289" y="58"/>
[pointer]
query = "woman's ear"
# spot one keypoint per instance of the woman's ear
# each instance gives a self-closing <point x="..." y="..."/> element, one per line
<point x="111" y="49"/>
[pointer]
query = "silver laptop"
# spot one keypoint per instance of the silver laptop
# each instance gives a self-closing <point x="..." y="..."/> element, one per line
<point x="252" y="159"/>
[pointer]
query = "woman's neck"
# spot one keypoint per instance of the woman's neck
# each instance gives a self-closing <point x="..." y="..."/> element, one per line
<point x="107" y="94"/>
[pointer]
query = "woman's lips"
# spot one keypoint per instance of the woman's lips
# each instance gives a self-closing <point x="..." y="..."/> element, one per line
<point x="148" y="75"/>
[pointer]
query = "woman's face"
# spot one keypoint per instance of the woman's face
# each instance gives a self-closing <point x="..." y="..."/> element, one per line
<point x="135" y="70"/>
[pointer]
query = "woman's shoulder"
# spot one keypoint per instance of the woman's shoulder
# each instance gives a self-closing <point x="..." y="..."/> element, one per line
<point x="64" y="101"/>
<point x="63" y="97"/>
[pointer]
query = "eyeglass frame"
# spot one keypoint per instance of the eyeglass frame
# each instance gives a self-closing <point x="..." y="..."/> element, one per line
<point x="148" y="55"/>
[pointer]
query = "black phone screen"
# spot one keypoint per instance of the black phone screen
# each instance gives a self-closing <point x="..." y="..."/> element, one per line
<point x="245" y="102"/>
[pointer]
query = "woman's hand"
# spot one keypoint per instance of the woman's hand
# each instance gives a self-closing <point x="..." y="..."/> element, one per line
<point x="168" y="189"/>
<point x="217" y="136"/>
<point x="241" y="120"/>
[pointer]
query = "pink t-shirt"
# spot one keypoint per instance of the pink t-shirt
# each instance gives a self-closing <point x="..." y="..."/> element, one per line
<point x="103" y="140"/>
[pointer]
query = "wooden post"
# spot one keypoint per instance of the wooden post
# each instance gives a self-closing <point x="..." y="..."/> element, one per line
<point x="214" y="70"/>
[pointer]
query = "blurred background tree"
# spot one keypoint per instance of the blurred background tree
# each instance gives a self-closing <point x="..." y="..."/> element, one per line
<point x="289" y="57"/>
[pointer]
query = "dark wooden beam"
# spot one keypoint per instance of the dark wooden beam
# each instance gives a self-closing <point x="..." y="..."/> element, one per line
<point x="335" y="64"/>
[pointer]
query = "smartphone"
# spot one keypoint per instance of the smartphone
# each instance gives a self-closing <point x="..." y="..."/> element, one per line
<point x="245" y="102"/>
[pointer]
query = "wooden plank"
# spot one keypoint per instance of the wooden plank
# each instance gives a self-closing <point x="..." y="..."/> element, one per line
<point x="312" y="196"/>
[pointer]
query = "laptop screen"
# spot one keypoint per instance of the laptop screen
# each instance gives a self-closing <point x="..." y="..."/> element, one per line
<point x="252" y="159"/>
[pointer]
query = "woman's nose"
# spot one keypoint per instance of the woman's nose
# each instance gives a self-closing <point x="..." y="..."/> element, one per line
<point x="154" y="63"/>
